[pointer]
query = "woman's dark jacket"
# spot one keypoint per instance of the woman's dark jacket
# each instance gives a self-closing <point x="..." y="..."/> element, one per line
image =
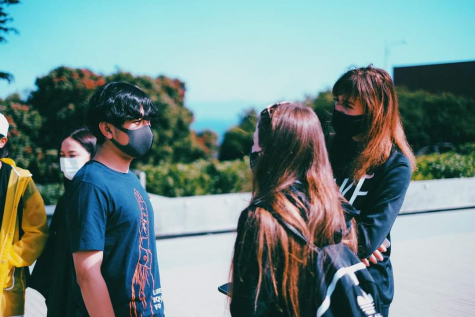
<point x="378" y="197"/>
<point x="314" y="285"/>
<point x="51" y="275"/>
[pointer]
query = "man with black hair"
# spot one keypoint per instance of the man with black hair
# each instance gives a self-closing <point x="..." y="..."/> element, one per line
<point x="109" y="215"/>
<point x="23" y="228"/>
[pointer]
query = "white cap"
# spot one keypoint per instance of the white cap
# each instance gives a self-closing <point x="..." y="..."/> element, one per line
<point x="3" y="125"/>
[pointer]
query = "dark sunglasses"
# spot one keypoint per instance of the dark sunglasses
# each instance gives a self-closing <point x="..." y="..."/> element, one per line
<point x="269" y="110"/>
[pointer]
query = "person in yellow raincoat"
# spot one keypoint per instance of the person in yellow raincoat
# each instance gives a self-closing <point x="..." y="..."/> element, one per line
<point x="23" y="229"/>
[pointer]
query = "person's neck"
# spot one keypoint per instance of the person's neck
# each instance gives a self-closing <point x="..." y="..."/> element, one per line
<point x="109" y="155"/>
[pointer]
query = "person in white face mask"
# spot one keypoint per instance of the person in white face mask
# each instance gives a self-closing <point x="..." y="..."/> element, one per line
<point x="52" y="271"/>
<point x="76" y="150"/>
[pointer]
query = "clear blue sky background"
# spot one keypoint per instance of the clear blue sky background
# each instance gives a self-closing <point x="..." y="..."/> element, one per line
<point x="233" y="54"/>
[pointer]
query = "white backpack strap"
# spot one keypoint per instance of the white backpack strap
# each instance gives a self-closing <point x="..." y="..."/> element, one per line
<point x="350" y="270"/>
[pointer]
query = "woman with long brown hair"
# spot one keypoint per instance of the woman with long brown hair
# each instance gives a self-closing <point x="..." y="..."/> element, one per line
<point x="372" y="163"/>
<point x="273" y="273"/>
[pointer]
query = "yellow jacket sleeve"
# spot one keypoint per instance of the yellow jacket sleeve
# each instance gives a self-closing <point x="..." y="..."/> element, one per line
<point x="35" y="227"/>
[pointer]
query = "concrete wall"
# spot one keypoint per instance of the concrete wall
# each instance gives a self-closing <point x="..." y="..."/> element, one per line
<point x="188" y="215"/>
<point x="215" y="213"/>
<point x="441" y="194"/>
<point x="191" y="215"/>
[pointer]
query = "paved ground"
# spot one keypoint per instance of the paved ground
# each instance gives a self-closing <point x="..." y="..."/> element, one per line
<point x="433" y="259"/>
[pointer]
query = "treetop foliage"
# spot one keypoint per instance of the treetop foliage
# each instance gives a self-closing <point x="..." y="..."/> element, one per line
<point x="59" y="105"/>
<point x="23" y="135"/>
<point x="323" y="106"/>
<point x="429" y="118"/>
<point x="62" y="98"/>
<point x="237" y="141"/>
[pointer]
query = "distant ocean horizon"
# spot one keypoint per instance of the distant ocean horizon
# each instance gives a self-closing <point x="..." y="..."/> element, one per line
<point x="218" y="126"/>
<point x="218" y="116"/>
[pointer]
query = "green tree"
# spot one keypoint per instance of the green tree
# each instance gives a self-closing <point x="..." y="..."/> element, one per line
<point x="23" y="136"/>
<point x="62" y="98"/>
<point x="198" y="178"/>
<point x="4" y="29"/>
<point x="323" y="106"/>
<point x="237" y="141"/>
<point x="432" y="118"/>
<point x="207" y="141"/>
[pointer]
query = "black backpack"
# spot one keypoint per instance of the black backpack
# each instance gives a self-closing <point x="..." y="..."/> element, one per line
<point x="345" y="286"/>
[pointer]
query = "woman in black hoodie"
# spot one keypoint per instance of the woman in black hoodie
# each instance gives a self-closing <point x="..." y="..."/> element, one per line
<point x="372" y="164"/>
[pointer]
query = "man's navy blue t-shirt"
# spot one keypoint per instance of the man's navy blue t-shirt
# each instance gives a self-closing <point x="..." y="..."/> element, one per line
<point x="110" y="211"/>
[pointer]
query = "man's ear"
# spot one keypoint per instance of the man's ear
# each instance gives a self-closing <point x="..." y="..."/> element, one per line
<point x="106" y="130"/>
<point x="3" y="141"/>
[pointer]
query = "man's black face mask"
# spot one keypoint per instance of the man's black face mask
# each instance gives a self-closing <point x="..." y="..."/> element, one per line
<point x="140" y="141"/>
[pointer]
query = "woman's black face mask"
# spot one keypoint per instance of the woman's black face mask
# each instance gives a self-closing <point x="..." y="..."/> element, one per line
<point x="347" y="125"/>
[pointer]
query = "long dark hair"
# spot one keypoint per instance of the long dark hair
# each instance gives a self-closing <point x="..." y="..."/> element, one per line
<point x="293" y="150"/>
<point x="374" y="88"/>
<point x="87" y="140"/>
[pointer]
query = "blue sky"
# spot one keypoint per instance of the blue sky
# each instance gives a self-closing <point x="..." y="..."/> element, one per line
<point x="233" y="55"/>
